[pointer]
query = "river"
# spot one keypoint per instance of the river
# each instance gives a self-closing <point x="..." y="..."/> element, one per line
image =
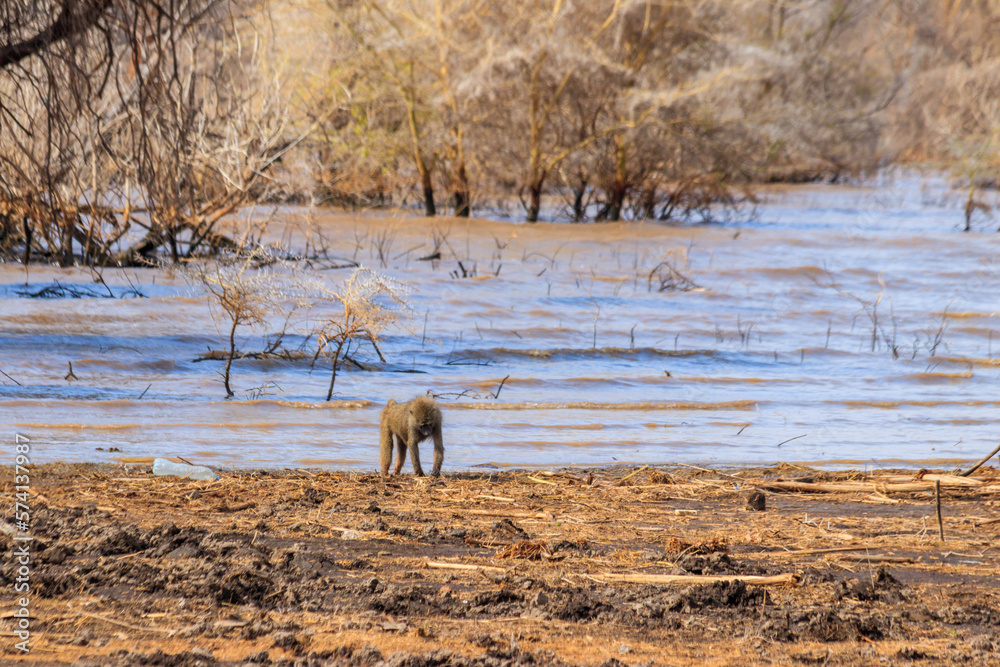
<point x="831" y="325"/>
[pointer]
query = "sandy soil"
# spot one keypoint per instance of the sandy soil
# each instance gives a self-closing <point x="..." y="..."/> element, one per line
<point x="302" y="567"/>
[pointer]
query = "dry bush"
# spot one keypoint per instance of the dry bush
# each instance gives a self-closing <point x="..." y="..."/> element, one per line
<point x="246" y="290"/>
<point x="398" y="123"/>
<point x="620" y="109"/>
<point x="669" y="274"/>
<point x="626" y="109"/>
<point x="129" y="127"/>
<point x="254" y="288"/>
<point x="366" y="304"/>
<point x="156" y="124"/>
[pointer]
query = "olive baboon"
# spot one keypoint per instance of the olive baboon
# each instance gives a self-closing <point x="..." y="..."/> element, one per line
<point x="406" y="425"/>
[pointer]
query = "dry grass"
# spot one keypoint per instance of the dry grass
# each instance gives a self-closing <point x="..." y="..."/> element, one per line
<point x="540" y="554"/>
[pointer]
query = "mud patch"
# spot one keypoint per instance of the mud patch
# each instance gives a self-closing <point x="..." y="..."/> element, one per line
<point x="423" y="583"/>
<point x="724" y="594"/>
<point x="880" y="587"/>
<point x="829" y="625"/>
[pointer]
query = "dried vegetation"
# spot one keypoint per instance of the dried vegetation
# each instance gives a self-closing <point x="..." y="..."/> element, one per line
<point x="132" y="130"/>
<point x="645" y="566"/>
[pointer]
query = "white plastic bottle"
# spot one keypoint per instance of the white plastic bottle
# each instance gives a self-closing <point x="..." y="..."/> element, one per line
<point x="165" y="467"/>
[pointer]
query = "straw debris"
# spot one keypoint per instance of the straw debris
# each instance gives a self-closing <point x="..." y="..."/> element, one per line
<point x="259" y="561"/>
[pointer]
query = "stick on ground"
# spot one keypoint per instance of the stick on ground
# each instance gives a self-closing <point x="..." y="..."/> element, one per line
<point x="937" y="496"/>
<point x="778" y="579"/>
<point x="984" y="460"/>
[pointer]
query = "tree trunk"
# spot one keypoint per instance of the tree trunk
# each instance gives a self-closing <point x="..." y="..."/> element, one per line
<point x="429" y="209"/>
<point x="27" y="240"/>
<point x="426" y="177"/>
<point x="462" y="196"/>
<point x="616" y="197"/>
<point x="970" y="206"/>
<point x="66" y="256"/>
<point x="172" y="239"/>
<point x="649" y="202"/>
<point x="462" y="209"/>
<point x="534" y="201"/>
<point x="536" y="174"/>
<point x="333" y="373"/>
<point x="579" y="211"/>
<point x="229" y="359"/>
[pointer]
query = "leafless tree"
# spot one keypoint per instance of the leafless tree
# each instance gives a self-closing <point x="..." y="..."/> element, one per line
<point x="121" y="116"/>
<point x="366" y="304"/>
<point x="243" y="291"/>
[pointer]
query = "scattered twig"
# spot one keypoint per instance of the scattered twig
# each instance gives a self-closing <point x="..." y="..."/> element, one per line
<point x="621" y="482"/>
<point x="947" y="480"/>
<point x="899" y="560"/>
<point x="71" y="375"/>
<point x="937" y="497"/>
<point x="714" y="472"/>
<point x="499" y="499"/>
<point x="775" y="580"/>
<point x="435" y="564"/>
<point x="509" y="515"/>
<point x="858" y="487"/>
<point x="548" y="473"/>
<point x="113" y="621"/>
<point x="804" y="552"/>
<point x="961" y="474"/>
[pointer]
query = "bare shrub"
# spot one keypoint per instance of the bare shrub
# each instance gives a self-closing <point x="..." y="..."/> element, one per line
<point x="382" y="242"/>
<point x="129" y="127"/>
<point x="366" y="304"/>
<point x="667" y="275"/>
<point x="244" y="290"/>
<point x="133" y="129"/>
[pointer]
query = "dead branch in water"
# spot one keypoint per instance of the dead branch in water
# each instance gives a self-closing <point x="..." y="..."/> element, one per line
<point x="668" y="277"/>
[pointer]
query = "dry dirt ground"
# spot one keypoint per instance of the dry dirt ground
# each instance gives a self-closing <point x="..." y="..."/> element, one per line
<point x="605" y="567"/>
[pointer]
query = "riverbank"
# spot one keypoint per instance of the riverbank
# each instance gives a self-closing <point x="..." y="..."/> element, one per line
<point x="662" y="566"/>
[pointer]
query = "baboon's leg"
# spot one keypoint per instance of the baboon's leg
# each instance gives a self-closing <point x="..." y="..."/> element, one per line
<point x="400" y="452"/>
<point x="385" y="452"/>
<point x="414" y="440"/>
<point x="438" y="451"/>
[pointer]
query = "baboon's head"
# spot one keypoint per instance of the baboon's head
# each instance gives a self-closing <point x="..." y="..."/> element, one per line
<point x="425" y="415"/>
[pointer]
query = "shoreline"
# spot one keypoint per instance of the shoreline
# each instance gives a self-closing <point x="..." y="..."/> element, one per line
<point x="952" y="466"/>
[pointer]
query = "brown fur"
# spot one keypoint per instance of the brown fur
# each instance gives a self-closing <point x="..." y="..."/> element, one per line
<point x="406" y="425"/>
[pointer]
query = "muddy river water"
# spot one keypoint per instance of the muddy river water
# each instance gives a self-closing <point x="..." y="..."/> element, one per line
<point x="839" y="326"/>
